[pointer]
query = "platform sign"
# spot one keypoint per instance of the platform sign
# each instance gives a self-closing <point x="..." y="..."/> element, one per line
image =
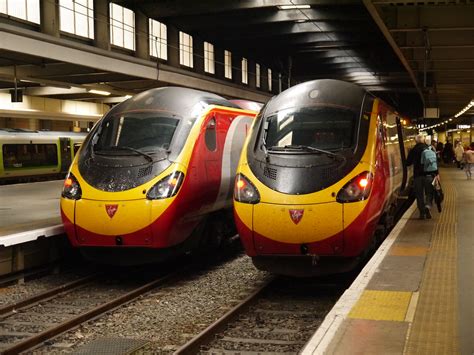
<point x="431" y="112"/>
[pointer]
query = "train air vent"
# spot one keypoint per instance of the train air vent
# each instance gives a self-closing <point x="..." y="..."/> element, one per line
<point x="270" y="173"/>
<point x="327" y="173"/>
<point x="144" y="171"/>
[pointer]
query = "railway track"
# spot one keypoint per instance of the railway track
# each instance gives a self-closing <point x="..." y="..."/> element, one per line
<point x="277" y="318"/>
<point x="30" y="322"/>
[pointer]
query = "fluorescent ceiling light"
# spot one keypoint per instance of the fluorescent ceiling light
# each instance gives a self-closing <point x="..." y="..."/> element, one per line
<point x="292" y="7"/>
<point x="99" y="92"/>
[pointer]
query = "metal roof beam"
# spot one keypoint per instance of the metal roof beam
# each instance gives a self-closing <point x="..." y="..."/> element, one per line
<point x="210" y="21"/>
<point x="32" y="43"/>
<point x="309" y="38"/>
<point x="287" y="28"/>
<point x="378" y="20"/>
<point x="165" y="9"/>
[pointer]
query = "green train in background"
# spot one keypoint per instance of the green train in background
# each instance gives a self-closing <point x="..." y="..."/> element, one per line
<point x="36" y="155"/>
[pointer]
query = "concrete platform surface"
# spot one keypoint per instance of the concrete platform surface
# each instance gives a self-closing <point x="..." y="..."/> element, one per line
<point x="416" y="295"/>
<point x="29" y="211"/>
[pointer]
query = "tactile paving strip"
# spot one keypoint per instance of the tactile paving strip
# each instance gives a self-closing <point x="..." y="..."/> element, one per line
<point x="382" y="305"/>
<point x="408" y="250"/>
<point x="435" y="326"/>
<point x="111" y="346"/>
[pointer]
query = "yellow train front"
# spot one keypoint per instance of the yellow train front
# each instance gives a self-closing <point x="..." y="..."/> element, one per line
<point x="319" y="178"/>
<point x="152" y="175"/>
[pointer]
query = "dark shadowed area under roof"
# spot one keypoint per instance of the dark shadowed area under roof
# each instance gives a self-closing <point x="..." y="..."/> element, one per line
<point x="330" y="39"/>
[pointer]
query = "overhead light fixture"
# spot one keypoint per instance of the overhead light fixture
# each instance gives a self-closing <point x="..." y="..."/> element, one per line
<point x="292" y="7"/>
<point x="99" y="92"/>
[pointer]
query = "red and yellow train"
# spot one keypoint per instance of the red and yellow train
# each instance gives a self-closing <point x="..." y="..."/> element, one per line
<point x="155" y="177"/>
<point x="320" y="175"/>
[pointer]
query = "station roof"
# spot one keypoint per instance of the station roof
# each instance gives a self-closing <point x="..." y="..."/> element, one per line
<point x="410" y="53"/>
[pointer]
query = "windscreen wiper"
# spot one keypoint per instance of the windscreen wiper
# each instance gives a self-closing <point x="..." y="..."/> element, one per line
<point x="123" y="147"/>
<point x="306" y="148"/>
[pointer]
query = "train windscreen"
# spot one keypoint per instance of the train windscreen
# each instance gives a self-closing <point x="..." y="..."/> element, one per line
<point x="321" y="127"/>
<point x="143" y="131"/>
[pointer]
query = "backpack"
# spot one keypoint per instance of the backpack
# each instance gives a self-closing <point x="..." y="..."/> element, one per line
<point x="429" y="161"/>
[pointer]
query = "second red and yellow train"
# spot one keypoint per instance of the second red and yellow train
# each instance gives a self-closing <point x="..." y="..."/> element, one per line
<point x="321" y="173"/>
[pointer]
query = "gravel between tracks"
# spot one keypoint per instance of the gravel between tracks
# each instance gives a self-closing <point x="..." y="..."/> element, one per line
<point x="170" y="315"/>
<point x="14" y="293"/>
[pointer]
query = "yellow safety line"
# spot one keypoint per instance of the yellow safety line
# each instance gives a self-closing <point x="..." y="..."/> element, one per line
<point x="435" y="326"/>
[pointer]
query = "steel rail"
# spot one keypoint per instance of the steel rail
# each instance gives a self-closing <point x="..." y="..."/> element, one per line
<point x="206" y="336"/>
<point x="73" y="322"/>
<point x="23" y="274"/>
<point x="47" y="295"/>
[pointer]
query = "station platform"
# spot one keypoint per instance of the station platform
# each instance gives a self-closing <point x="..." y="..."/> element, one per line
<point x="29" y="211"/>
<point x="416" y="295"/>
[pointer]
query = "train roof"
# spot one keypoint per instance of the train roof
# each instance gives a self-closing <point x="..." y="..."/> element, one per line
<point x="317" y="92"/>
<point x="181" y="101"/>
<point x="247" y="104"/>
<point x="21" y="131"/>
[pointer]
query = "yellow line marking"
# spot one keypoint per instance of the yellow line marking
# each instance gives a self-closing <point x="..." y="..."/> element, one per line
<point x="381" y="305"/>
<point x="435" y="326"/>
<point x="401" y="250"/>
<point x="412" y="307"/>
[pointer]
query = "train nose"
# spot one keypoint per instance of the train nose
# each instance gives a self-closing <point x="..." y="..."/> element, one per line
<point x="112" y="223"/>
<point x="298" y="229"/>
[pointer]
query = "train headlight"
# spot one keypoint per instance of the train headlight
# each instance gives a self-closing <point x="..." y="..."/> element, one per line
<point x="245" y="191"/>
<point x="357" y="189"/>
<point x="166" y="187"/>
<point x="71" y="189"/>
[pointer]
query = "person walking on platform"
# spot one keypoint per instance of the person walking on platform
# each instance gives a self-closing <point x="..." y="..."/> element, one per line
<point x="458" y="154"/>
<point x="414" y="158"/>
<point x="469" y="161"/>
<point x="448" y="153"/>
<point x="439" y="150"/>
<point x="430" y="171"/>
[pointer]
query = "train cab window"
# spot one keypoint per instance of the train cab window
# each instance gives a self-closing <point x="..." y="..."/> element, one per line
<point x="146" y="132"/>
<point x="319" y="127"/>
<point x="17" y="156"/>
<point x="210" y="136"/>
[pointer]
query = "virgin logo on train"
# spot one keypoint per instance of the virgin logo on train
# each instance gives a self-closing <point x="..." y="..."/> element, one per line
<point x="296" y="215"/>
<point x="111" y="209"/>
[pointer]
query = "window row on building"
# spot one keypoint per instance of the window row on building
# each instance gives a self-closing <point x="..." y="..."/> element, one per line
<point x="77" y="17"/>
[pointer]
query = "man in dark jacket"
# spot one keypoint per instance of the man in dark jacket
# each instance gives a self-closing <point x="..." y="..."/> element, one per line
<point x="414" y="158"/>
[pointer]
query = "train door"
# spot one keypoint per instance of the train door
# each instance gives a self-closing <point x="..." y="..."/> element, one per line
<point x="65" y="151"/>
<point x="214" y="138"/>
<point x="402" y="153"/>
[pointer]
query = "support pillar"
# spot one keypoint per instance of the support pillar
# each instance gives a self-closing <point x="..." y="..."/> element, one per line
<point x="198" y="54"/>
<point x="142" y="36"/>
<point x="18" y="261"/>
<point x="251" y="73"/>
<point x="49" y="17"/>
<point x="173" y="46"/>
<point x="101" y="24"/>
<point x="219" y="61"/>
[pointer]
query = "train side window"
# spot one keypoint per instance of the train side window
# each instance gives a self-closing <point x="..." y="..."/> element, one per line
<point x="210" y="137"/>
<point x="29" y="155"/>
